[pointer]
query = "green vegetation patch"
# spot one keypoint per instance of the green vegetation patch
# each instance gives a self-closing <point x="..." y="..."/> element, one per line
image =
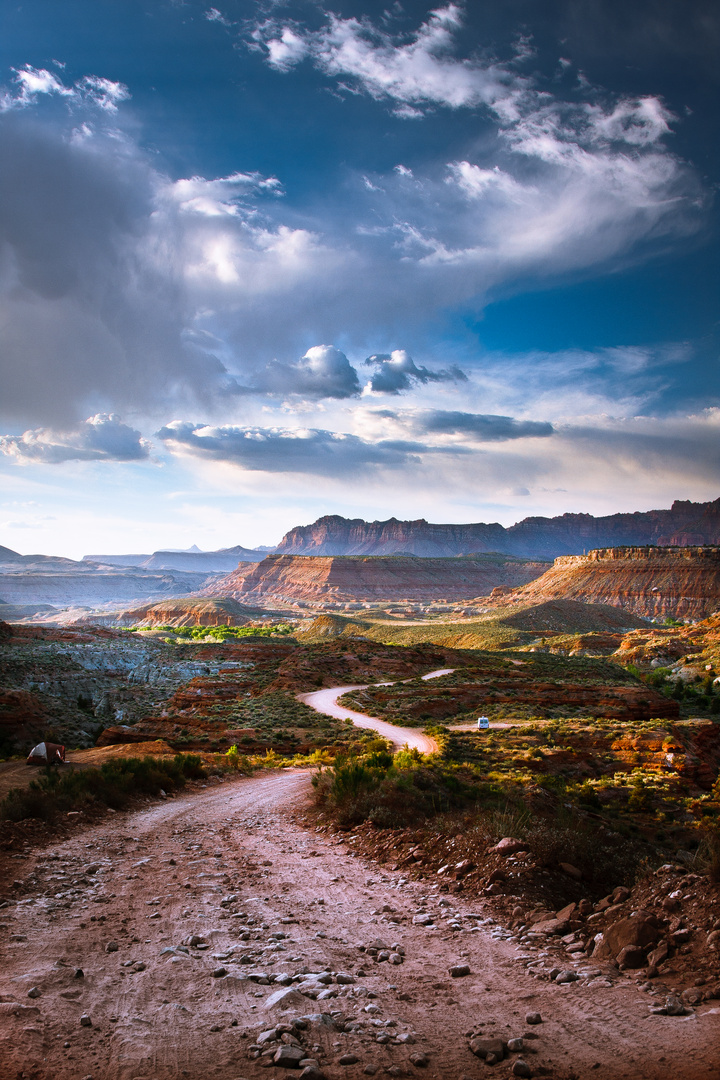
<point x="517" y="685"/>
<point x="223" y="633"/>
<point x="60" y="789"/>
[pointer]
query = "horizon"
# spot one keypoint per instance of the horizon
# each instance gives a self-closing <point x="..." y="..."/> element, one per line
<point x="261" y="264"/>
<point x="271" y="548"/>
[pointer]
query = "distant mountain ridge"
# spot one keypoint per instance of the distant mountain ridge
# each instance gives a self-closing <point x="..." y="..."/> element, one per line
<point x="192" y="559"/>
<point x="37" y="581"/>
<point x="684" y="524"/>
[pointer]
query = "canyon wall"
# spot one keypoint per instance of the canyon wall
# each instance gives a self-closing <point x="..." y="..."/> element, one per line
<point x="649" y="581"/>
<point x="293" y="578"/>
<point x="685" y="523"/>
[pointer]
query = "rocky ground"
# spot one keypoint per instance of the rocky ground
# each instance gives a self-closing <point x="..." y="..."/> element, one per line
<point x="224" y="932"/>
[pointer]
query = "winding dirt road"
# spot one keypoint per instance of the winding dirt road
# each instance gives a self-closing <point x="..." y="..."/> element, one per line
<point x="326" y="701"/>
<point x="152" y="947"/>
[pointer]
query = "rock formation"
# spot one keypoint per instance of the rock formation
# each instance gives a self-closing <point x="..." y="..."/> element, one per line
<point x="188" y="612"/>
<point x="685" y="523"/>
<point x="648" y="581"/>
<point x="311" y="580"/>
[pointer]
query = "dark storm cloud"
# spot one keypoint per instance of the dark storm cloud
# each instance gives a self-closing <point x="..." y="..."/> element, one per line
<point x="480" y="427"/>
<point x="92" y="308"/>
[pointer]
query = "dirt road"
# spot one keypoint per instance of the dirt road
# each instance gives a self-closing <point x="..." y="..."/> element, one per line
<point x="326" y="701"/>
<point x="234" y="867"/>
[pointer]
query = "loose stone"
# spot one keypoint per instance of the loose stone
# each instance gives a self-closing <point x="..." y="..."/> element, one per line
<point x="521" y="1068"/>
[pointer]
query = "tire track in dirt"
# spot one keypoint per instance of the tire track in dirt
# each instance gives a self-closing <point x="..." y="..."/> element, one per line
<point x="233" y="863"/>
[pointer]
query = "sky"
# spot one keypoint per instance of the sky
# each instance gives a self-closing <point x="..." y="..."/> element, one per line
<point x="262" y="262"/>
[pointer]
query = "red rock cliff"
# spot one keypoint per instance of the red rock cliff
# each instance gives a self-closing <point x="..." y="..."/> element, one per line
<point x="535" y="537"/>
<point x="649" y="581"/>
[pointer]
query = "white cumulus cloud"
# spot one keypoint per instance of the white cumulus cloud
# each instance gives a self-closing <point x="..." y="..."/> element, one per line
<point x="99" y="438"/>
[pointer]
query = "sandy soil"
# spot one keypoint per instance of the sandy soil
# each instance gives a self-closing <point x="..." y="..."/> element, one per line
<point x="235" y="863"/>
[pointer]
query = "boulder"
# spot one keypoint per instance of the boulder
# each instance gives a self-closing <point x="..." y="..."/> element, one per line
<point x="522" y="1069"/>
<point x="508" y="846"/>
<point x="639" y="929"/>
<point x="659" y="955"/>
<point x="289" y="1057"/>
<point x="285" y="999"/>
<point x="632" y="956"/>
<point x="553" y="926"/>
<point x="482" y="1047"/>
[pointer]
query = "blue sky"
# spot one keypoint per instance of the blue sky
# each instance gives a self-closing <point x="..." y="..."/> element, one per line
<point x="261" y="262"/>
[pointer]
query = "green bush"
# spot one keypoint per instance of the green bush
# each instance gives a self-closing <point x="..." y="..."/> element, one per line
<point x="113" y="784"/>
<point x="392" y="792"/>
<point x="223" y="633"/>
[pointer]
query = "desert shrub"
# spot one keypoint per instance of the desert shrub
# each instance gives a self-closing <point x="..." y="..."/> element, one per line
<point x="587" y="796"/>
<point x="561" y="837"/>
<point x="708" y="853"/>
<point x="113" y="784"/>
<point x="640" y="797"/>
<point x="237" y="761"/>
<point x="391" y="792"/>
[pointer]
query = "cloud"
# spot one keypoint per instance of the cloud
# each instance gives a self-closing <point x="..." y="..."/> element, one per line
<point x="213" y="15"/>
<point x="581" y="181"/>
<point x="398" y="371"/>
<point x="323" y="372"/>
<point x="31" y="82"/>
<point x="99" y="438"/>
<point x="478" y="427"/>
<point x="124" y="288"/>
<point x="280" y="450"/>
<point x="419" y="71"/>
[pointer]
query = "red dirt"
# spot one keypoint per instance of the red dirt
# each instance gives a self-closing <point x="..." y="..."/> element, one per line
<point x="135" y="880"/>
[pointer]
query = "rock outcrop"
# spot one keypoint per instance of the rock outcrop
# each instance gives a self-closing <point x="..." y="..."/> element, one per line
<point x="182" y="612"/>
<point x="649" y="581"/>
<point x="535" y="537"/>
<point x="292" y="578"/>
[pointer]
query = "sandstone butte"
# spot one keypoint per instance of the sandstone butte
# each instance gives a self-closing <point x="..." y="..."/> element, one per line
<point x="685" y="523"/>
<point x="648" y="581"/>
<point x="186" y="612"/>
<point x="293" y="578"/>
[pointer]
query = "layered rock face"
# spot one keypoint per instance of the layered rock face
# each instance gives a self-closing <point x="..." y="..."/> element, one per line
<point x="185" y="613"/>
<point x="293" y="578"/>
<point x="649" y="581"/>
<point x="535" y="537"/>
